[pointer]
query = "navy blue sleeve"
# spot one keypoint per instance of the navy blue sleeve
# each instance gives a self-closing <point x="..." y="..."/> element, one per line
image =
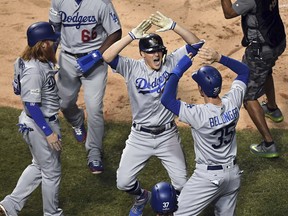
<point x="113" y="64"/>
<point x="38" y="117"/>
<point x="238" y="67"/>
<point x="168" y="98"/>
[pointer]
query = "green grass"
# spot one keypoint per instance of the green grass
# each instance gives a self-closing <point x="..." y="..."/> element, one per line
<point x="264" y="189"/>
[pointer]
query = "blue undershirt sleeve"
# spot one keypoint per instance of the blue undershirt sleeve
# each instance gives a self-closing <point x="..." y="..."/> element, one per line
<point x="168" y="98"/>
<point x="38" y="117"/>
<point x="238" y="67"/>
<point x="113" y="64"/>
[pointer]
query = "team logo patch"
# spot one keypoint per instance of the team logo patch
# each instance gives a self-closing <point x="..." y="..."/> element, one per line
<point x="35" y="91"/>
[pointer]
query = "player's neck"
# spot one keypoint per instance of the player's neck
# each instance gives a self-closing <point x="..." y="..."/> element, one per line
<point x="216" y="101"/>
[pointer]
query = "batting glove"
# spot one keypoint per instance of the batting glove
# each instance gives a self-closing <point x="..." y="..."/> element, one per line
<point x="140" y="30"/>
<point x="183" y="64"/>
<point x="162" y="21"/>
<point x="86" y="62"/>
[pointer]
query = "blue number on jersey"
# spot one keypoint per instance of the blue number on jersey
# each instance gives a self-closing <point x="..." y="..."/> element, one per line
<point x="114" y="17"/>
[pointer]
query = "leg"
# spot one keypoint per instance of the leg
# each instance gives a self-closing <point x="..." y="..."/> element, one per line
<point x="256" y="114"/>
<point x="48" y="161"/>
<point x="94" y="89"/>
<point x="69" y="86"/>
<point x="171" y="155"/>
<point x="134" y="158"/>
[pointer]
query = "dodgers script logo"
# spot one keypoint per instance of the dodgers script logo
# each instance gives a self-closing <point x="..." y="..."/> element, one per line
<point x="146" y="87"/>
<point x="77" y="20"/>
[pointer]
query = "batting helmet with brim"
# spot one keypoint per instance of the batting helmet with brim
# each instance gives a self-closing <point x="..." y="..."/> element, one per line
<point x="163" y="198"/>
<point x="152" y="43"/>
<point x="209" y="79"/>
<point x="40" y="31"/>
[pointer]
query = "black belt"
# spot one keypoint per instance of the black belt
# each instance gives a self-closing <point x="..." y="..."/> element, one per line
<point x="76" y="55"/>
<point x="52" y="118"/>
<point x="156" y="130"/>
<point x="218" y="167"/>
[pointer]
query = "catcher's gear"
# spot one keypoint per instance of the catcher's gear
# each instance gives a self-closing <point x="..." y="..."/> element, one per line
<point x="163" y="198"/>
<point x="86" y="62"/>
<point x="162" y="21"/>
<point x="40" y="31"/>
<point x="209" y="79"/>
<point x="152" y="43"/>
<point x="140" y="30"/>
<point x="183" y="64"/>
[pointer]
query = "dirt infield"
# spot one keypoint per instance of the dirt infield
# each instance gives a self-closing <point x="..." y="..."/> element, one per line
<point x="205" y="18"/>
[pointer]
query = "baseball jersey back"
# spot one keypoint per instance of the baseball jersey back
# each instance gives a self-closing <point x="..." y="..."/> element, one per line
<point x="213" y="126"/>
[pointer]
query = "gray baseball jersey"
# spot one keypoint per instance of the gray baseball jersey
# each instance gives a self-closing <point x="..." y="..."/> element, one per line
<point x="145" y="88"/>
<point x="38" y="86"/>
<point x="84" y="27"/>
<point x="213" y="131"/>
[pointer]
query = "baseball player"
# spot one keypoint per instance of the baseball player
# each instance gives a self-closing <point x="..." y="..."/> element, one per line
<point x="265" y="40"/>
<point x="34" y="81"/>
<point x="163" y="199"/>
<point x="216" y="178"/>
<point x="153" y="131"/>
<point x="87" y="28"/>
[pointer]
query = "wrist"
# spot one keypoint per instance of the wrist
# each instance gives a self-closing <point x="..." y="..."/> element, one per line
<point x="173" y="25"/>
<point x="133" y="37"/>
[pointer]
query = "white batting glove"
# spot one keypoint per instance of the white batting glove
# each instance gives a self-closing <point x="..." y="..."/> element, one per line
<point x="163" y="22"/>
<point x="140" y="30"/>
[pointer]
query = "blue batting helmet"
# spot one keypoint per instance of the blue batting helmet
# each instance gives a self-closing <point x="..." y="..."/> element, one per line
<point x="163" y="198"/>
<point x="152" y="43"/>
<point x="209" y="79"/>
<point x="40" y="31"/>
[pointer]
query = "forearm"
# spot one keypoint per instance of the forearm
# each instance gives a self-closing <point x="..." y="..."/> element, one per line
<point x="187" y="35"/>
<point x="38" y="117"/>
<point x="238" y="67"/>
<point x="111" y="39"/>
<point x="227" y="9"/>
<point x="168" y="98"/>
<point x="116" y="48"/>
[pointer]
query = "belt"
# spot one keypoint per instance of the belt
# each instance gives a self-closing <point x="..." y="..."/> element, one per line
<point x="220" y="167"/>
<point x="52" y="118"/>
<point x="156" y="130"/>
<point x="76" y="55"/>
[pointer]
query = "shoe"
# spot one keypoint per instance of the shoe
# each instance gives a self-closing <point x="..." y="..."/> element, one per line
<point x="263" y="151"/>
<point x="138" y="207"/>
<point x="80" y="133"/>
<point x="3" y="211"/>
<point x="96" y="167"/>
<point x="275" y="115"/>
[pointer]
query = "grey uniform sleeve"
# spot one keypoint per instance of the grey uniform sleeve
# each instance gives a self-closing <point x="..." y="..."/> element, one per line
<point x="31" y="85"/>
<point x="110" y="19"/>
<point x="242" y="7"/>
<point x="54" y="15"/>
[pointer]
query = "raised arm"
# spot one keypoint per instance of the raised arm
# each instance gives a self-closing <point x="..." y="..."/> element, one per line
<point x="228" y="10"/>
<point x="238" y="67"/>
<point x="166" y="23"/>
<point x="168" y="98"/>
<point x="111" y="53"/>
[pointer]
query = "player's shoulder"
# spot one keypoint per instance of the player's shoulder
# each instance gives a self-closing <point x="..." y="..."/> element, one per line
<point x="104" y="2"/>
